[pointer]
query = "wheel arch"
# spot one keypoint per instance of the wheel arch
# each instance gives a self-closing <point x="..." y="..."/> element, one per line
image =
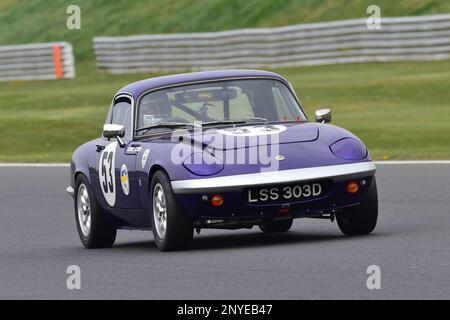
<point x="145" y="190"/>
<point x="81" y="163"/>
<point x="77" y="171"/>
<point x="151" y="173"/>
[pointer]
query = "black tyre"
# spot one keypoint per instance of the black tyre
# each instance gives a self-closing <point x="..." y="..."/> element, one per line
<point x="276" y="226"/>
<point x="93" y="228"/>
<point x="361" y="219"/>
<point x="172" y="228"/>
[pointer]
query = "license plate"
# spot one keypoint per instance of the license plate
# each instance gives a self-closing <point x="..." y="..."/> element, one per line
<point x="284" y="193"/>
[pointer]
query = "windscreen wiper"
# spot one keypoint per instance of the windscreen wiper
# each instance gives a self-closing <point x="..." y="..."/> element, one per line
<point x="257" y="119"/>
<point x="246" y="120"/>
<point x="172" y="125"/>
<point x="219" y="122"/>
<point x="169" y="125"/>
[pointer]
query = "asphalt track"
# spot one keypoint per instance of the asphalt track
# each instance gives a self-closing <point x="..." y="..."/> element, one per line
<point x="411" y="245"/>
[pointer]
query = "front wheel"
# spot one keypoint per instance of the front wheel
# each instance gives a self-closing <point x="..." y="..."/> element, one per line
<point x="93" y="228"/>
<point x="361" y="219"/>
<point x="172" y="228"/>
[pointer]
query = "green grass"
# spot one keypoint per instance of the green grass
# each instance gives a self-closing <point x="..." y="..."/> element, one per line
<point x="24" y="21"/>
<point x="401" y="110"/>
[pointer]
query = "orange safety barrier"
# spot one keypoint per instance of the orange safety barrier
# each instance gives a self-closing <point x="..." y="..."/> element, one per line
<point x="57" y="59"/>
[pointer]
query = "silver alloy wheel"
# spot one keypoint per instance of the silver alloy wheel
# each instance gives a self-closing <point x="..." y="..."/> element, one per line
<point x="84" y="210"/>
<point x="159" y="210"/>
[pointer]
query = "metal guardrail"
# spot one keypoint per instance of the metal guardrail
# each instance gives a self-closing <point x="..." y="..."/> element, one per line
<point x="347" y="41"/>
<point x="40" y="61"/>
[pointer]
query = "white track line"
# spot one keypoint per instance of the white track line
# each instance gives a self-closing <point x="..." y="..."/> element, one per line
<point x="63" y="165"/>
<point x="413" y="162"/>
<point x="37" y="165"/>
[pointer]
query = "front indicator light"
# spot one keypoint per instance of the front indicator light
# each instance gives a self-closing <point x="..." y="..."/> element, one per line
<point x="352" y="187"/>
<point x="217" y="200"/>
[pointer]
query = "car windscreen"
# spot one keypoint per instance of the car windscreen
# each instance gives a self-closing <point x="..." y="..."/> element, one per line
<point x="230" y="100"/>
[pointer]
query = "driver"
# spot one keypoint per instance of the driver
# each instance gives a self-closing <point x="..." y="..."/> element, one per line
<point x="155" y="108"/>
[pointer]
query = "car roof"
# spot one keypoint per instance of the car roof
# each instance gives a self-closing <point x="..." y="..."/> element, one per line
<point x="136" y="89"/>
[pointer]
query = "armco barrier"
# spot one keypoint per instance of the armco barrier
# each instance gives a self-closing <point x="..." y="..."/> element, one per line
<point x="40" y="61"/>
<point x="347" y="41"/>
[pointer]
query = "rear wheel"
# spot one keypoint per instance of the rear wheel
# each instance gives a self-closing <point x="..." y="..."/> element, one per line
<point x="276" y="226"/>
<point x="361" y="219"/>
<point x="172" y="228"/>
<point x="93" y="228"/>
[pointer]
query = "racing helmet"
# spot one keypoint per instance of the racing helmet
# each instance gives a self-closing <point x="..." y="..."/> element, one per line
<point x="155" y="108"/>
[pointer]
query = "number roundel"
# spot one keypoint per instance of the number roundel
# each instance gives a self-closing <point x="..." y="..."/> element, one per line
<point x="107" y="173"/>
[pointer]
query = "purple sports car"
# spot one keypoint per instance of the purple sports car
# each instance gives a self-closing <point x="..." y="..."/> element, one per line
<point x="219" y="149"/>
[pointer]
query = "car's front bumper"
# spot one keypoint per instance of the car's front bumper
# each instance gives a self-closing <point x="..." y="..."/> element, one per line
<point x="192" y="193"/>
<point x="238" y="182"/>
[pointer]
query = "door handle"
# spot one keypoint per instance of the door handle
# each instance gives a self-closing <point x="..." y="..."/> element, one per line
<point x="99" y="147"/>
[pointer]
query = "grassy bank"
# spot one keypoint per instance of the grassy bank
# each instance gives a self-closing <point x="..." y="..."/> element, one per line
<point x="401" y="110"/>
<point x="25" y="21"/>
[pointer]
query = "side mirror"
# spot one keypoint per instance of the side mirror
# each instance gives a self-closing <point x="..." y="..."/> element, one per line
<point x="114" y="131"/>
<point x="323" y="115"/>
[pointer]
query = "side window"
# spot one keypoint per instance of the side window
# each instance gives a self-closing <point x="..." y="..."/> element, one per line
<point x="121" y="114"/>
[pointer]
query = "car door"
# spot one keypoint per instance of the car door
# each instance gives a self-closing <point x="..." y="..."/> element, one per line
<point x="127" y="195"/>
<point x="117" y="163"/>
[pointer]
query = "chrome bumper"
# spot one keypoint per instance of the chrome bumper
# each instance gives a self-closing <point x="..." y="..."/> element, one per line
<point x="70" y="191"/>
<point x="238" y="182"/>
